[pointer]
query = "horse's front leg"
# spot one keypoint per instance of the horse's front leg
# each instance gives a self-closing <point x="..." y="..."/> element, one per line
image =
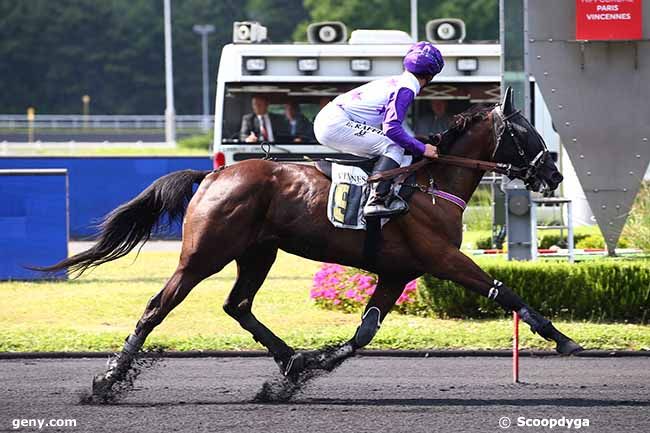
<point x="451" y="264"/>
<point x="388" y="289"/>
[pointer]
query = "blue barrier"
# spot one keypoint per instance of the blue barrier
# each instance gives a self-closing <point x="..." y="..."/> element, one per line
<point x="33" y="222"/>
<point x="100" y="184"/>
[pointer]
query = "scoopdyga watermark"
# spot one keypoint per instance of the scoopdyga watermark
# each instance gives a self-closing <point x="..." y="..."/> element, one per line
<point x="545" y="423"/>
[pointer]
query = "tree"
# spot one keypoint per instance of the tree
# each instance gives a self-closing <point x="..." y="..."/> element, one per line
<point x="480" y="16"/>
<point x="53" y="52"/>
<point x="279" y="16"/>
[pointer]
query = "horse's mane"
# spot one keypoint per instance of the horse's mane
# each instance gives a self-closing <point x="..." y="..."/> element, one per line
<point x="461" y="123"/>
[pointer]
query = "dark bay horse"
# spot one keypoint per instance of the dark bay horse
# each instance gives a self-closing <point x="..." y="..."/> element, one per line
<point x="246" y="212"/>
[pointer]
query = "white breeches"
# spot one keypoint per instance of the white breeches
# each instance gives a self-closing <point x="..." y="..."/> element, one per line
<point x="334" y="128"/>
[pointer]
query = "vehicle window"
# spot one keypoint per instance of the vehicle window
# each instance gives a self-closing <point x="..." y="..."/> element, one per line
<point x="285" y="112"/>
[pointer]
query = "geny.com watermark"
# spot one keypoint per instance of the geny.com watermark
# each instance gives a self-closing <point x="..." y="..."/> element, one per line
<point x="550" y="423"/>
<point x="40" y="423"/>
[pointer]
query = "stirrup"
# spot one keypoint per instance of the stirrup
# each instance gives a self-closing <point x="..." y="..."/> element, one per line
<point x="390" y="206"/>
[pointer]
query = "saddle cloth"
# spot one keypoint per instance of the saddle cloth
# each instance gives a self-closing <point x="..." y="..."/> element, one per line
<point x="349" y="193"/>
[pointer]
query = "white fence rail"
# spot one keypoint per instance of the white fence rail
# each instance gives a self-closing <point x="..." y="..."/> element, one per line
<point x="76" y="121"/>
<point x="19" y="148"/>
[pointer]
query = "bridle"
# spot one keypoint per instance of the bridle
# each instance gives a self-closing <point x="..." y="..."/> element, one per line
<point x="502" y="125"/>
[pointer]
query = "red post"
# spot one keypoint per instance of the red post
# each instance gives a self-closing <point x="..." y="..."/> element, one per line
<point x="515" y="348"/>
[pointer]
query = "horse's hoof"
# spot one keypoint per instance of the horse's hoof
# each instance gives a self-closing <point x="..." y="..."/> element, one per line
<point x="568" y="347"/>
<point x="295" y="366"/>
<point x="102" y="386"/>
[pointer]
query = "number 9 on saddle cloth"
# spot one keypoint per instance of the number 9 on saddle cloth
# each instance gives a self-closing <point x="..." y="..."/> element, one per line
<point x="350" y="190"/>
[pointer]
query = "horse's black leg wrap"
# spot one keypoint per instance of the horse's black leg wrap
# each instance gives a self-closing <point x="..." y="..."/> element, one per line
<point x="370" y="323"/>
<point x="539" y="324"/>
<point x="510" y="301"/>
<point x="505" y="297"/>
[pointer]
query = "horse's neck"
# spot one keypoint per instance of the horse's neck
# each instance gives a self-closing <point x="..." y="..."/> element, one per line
<point x="461" y="181"/>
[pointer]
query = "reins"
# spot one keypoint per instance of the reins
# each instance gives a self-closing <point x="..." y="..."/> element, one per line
<point x="457" y="161"/>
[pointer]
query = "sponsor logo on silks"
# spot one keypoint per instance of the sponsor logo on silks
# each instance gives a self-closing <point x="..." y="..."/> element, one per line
<point x="363" y="129"/>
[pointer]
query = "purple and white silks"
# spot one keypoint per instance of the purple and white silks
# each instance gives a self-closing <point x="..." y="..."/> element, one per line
<point x="396" y="110"/>
<point x="383" y="104"/>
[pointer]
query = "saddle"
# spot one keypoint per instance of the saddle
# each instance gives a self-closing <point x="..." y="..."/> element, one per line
<point x="365" y="164"/>
<point x="350" y="190"/>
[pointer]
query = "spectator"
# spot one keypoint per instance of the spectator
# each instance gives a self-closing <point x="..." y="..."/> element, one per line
<point x="300" y="128"/>
<point x="434" y="121"/>
<point x="260" y="125"/>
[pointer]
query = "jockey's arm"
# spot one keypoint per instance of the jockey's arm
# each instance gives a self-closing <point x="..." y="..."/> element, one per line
<point x="392" y="125"/>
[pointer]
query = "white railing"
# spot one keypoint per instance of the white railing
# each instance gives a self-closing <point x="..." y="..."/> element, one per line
<point x="77" y="121"/>
<point x="19" y="148"/>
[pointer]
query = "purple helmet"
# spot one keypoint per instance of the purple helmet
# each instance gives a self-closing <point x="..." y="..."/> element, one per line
<point x="423" y="58"/>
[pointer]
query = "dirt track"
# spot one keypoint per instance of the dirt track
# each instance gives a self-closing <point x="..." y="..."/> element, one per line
<point x="364" y="395"/>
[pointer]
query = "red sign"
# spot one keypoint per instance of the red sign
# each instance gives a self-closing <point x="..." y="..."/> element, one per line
<point x="604" y="20"/>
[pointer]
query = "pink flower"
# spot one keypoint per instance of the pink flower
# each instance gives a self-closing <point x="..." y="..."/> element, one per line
<point x="411" y="286"/>
<point x="333" y="281"/>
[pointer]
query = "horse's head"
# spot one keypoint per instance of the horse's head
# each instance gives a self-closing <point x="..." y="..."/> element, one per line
<point x="521" y="146"/>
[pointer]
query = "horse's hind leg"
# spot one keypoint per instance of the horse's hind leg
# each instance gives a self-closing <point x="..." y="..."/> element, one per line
<point x="187" y="275"/>
<point x="252" y="269"/>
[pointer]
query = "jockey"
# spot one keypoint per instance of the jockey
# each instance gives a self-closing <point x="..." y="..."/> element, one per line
<point x="367" y="122"/>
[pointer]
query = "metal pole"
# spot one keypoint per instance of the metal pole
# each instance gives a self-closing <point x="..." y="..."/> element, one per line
<point x="170" y="112"/>
<point x="513" y="30"/>
<point x="206" y="86"/>
<point x="569" y="207"/>
<point x="533" y="230"/>
<point x="414" y="20"/>
<point x="515" y="348"/>
<point x="204" y="30"/>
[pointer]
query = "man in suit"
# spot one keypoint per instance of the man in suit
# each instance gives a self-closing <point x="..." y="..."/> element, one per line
<point x="300" y="128"/>
<point x="435" y="121"/>
<point x="260" y="125"/>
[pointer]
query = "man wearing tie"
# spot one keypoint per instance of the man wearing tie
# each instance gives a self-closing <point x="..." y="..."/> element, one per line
<point x="260" y="125"/>
<point x="300" y="128"/>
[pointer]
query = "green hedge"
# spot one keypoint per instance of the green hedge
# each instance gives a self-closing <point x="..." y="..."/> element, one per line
<point x="598" y="290"/>
<point x="202" y="141"/>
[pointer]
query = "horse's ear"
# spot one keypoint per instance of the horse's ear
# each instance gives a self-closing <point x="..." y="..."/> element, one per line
<point x="508" y="104"/>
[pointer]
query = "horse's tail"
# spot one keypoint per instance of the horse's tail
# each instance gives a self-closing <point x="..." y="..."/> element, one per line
<point x="125" y="227"/>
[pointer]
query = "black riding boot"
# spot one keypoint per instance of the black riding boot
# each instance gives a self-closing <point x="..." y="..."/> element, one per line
<point x="382" y="201"/>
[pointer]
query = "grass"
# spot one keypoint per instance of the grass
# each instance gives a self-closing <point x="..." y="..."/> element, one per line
<point x="97" y="311"/>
